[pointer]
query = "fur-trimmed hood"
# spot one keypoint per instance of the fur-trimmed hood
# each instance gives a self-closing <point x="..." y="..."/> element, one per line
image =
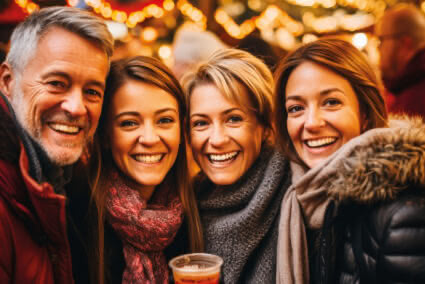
<point x="381" y="163"/>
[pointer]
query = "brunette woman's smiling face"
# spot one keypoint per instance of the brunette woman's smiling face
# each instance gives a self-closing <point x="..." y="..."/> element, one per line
<point x="323" y="112"/>
<point x="226" y="137"/>
<point x="144" y="133"/>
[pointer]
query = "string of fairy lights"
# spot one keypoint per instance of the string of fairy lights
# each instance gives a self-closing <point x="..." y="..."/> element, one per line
<point x="274" y="23"/>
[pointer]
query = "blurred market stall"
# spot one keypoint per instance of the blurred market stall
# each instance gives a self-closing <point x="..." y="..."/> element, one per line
<point x="148" y="26"/>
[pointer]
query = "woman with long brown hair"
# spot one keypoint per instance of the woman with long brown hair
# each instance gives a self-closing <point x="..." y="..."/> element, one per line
<point x="138" y="173"/>
<point x="355" y="210"/>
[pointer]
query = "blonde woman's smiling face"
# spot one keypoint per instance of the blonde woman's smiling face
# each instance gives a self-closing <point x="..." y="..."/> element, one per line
<point x="323" y="112"/>
<point x="226" y="137"/>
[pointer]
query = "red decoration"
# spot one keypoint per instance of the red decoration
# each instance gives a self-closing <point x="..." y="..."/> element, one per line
<point x="132" y="7"/>
<point x="12" y="14"/>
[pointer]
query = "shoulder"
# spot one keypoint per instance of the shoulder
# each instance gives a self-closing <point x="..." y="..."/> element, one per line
<point x="384" y="241"/>
<point x="397" y="222"/>
<point x="396" y="231"/>
<point x="403" y="217"/>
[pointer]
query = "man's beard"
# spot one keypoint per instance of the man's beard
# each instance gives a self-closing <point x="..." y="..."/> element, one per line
<point x="20" y="108"/>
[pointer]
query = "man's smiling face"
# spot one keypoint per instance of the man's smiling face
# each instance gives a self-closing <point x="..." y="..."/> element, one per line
<point x="58" y="97"/>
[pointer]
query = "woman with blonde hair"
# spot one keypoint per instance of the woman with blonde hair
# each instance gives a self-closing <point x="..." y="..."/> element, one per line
<point x="243" y="178"/>
<point x="355" y="211"/>
<point x="139" y="177"/>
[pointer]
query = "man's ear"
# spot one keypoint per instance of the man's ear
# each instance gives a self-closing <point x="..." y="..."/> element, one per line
<point x="6" y="79"/>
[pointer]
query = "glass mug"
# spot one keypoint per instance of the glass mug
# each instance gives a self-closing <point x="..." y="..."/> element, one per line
<point x="199" y="268"/>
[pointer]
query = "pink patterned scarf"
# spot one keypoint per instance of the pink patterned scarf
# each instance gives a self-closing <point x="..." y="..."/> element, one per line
<point x="144" y="228"/>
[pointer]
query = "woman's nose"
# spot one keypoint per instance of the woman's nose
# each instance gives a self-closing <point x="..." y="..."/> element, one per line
<point x="218" y="136"/>
<point x="148" y="135"/>
<point x="314" y="119"/>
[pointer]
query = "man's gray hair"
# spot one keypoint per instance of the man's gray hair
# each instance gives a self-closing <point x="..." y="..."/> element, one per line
<point x="26" y="36"/>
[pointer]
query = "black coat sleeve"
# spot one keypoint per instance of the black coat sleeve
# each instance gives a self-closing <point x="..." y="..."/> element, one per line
<point x="394" y="240"/>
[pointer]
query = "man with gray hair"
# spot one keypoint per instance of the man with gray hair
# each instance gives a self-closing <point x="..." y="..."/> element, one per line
<point x="402" y="48"/>
<point x="52" y="84"/>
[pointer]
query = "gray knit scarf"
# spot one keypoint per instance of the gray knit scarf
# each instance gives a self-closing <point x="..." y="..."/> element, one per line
<point x="240" y="221"/>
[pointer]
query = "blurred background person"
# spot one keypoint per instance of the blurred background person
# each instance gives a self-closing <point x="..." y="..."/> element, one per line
<point x="243" y="178"/>
<point x="401" y="32"/>
<point x="355" y="211"/>
<point x="254" y="44"/>
<point x="191" y="45"/>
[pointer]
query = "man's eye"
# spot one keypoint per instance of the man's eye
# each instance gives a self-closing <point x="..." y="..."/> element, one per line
<point x="57" y="84"/>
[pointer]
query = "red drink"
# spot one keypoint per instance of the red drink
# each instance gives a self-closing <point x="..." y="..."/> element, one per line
<point x="181" y="278"/>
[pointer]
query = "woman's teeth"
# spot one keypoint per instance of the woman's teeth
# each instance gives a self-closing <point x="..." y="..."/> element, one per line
<point x="150" y="159"/>
<point x="320" y="142"/>
<point x="222" y="157"/>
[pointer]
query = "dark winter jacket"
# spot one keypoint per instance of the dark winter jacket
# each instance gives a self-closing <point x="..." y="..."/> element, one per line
<point x="377" y="233"/>
<point x="33" y="235"/>
<point x="82" y="234"/>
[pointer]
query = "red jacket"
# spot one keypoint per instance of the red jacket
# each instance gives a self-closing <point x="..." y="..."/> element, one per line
<point x="34" y="246"/>
<point x="408" y="91"/>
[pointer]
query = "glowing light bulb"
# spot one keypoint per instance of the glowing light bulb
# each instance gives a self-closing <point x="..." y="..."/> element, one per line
<point x="164" y="51"/>
<point x="271" y="13"/>
<point x="21" y="3"/>
<point x="359" y="40"/>
<point x="307" y="38"/>
<point x="73" y="3"/>
<point x="106" y="11"/>
<point x="149" y="34"/>
<point x="285" y="39"/>
<point x="221" y="17"/>
<point x="168" y="5"/>
<point x="32" y="7"/>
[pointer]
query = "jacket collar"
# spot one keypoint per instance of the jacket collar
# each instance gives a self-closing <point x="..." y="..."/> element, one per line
<point x="36" y="204"/>
<point x="35" y="169"/>
<point x="375" y="166"/>
<point x="383" y="162"/>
